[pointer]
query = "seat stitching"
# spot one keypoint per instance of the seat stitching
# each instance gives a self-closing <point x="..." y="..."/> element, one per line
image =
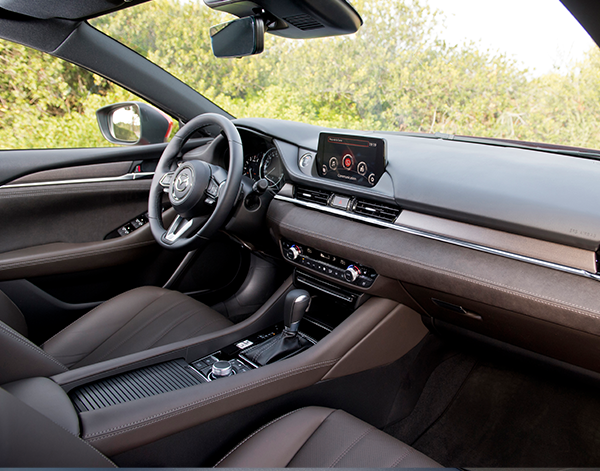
<point x="133" y="334"/>
<point x="352" y="445"/>
<point x="203" y="402"/>
<point x="260" y="348"/>
<point x="257" y="431"/>
<point x="33" y="347"/>
<point x="402" y="458"/>
<point x="478" y="280"/>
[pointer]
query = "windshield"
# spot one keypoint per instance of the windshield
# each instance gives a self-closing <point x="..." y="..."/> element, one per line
<point x="401" y="72"/>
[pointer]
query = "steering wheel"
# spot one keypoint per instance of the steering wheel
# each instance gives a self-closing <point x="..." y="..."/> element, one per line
<point x="202" y="194"/>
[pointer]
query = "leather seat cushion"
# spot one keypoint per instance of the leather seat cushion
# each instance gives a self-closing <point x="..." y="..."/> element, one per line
<point x="134" y="321"/>
<point x="317" y="437"/>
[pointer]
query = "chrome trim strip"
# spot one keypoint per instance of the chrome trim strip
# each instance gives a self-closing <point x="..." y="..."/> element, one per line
<point x="178" y="228"/>
<point x="448" y="240"/>
<point x="127" y="176"/>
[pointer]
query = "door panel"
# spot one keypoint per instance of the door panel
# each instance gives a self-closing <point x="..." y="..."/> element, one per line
<point x="73" y="213"/>
<point x="60" y="254"/>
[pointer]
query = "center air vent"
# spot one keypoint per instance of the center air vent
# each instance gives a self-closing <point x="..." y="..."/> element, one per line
<point x="303" y="22"/>
<point x="314" y="196"/>
<point x="381" y="211"/>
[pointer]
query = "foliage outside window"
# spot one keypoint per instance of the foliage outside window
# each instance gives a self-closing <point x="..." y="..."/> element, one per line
<point x="394" y="75"/>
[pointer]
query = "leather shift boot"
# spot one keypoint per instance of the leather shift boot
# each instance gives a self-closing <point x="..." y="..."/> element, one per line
<point x="278" y="347"/>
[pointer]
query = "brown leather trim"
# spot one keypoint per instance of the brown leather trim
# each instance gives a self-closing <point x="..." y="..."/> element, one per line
<point x="22" y="359"/>
<point x="113" y="169"/>
<point x="125" y="426"/>
<point x="30" y="440"/>
<point x="395" y="336"/>
<point x="513" y="243"/>
<point x="70" y="213"/>
<point x="275" y="444"/>
<point x="51" y="259"/>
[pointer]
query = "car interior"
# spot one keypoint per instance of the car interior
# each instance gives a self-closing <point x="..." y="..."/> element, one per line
<point x="262" y="293"/>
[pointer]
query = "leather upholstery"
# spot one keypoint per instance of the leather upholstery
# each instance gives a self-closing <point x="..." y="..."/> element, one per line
<point x="317" y="437"/>
<point x="11" y="315"/>
<point x="19" y="358"/>
<point x="48" y="398"/>
<point x="134" y="321"/>
<point x="29" y="439"/>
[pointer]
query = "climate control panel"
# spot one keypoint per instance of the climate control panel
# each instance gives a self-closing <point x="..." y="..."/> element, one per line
<point x="329" y="265"/>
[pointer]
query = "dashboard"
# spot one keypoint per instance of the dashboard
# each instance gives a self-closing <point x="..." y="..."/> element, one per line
<point x="484" y="240"/>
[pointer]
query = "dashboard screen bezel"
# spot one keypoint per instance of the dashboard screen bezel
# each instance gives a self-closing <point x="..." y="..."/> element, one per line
<point x="352" y="175"/>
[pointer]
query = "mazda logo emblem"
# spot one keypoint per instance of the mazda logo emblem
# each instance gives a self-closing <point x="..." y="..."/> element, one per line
<point x="182" y="182"/>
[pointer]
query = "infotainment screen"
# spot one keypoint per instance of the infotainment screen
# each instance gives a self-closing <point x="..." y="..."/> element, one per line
<point x="351" y="159"/>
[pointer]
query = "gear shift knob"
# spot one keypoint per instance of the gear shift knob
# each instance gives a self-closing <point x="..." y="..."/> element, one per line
<point x="297" y="302"/>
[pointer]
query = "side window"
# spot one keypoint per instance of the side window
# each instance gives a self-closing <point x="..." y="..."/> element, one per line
<point x="46" y="102"/>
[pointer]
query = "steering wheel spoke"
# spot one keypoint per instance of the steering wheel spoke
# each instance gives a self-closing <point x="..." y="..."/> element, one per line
<point x="178" y="227"/>
<point x="166" y="180"/>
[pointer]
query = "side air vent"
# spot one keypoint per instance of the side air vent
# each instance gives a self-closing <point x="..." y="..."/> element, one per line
<point x="303" y="22"/>
<point x="385" y="212"/>
<point x="314" y="196"/>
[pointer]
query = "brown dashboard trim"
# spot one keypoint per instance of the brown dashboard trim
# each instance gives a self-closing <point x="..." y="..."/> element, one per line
<point x="525" y="288"/>
<point x="505" y="241"/>
<point x="446" y="239"/>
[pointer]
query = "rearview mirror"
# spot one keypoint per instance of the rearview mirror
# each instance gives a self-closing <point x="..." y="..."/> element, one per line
<point x="237" y="38"/>
<point x="132" y="123"/>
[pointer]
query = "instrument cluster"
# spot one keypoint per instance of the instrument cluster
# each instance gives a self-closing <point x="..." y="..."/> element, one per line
<point x="265" y="164"/>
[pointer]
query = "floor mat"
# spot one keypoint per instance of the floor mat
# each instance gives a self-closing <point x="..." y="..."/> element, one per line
<point x="503" y="417"/>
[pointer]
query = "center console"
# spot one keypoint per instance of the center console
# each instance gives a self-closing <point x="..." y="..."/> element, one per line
<point x="128" y="402"/>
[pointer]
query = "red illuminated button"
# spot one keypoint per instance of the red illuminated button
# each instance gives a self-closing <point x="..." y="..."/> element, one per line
<point x="348" y="161"/>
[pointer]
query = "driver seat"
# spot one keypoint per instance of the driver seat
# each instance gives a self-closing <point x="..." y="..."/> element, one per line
<point x="134" y="321"/>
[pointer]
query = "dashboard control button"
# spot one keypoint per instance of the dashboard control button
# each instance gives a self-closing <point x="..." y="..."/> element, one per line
<point x="347" y="161"/>
<point x="362" y="168"/>
<point x="365" y="282"/>
<point x="371" y="178"/>
<point x="351" y="273"/>
<point x="333" y="163"/>
<point x="305" y="160"/>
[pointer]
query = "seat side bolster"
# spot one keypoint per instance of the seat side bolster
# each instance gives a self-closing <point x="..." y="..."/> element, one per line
<point x="11" y="315"/>
<point x="19" y="358"/>
<point x="275" y="444"/>
<point x="29" y="439"/>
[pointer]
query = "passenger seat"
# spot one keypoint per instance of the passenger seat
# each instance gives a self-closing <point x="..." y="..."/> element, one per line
<point x="317" y="437"/>
<point x="309" y="437"/>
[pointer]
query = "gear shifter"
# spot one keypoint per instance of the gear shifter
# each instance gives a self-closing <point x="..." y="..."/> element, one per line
<point x="296" y="304"/>
<point x="287" y="342"/>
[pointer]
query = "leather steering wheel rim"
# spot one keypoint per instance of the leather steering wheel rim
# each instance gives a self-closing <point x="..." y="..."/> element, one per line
<point x="227" y="196"/>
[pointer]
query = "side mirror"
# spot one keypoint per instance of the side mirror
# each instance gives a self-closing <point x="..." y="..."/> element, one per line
<point x="237" y="38"/>
<point x="132" y="123"/>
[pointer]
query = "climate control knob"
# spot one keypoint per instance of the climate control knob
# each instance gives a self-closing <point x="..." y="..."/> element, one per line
<point x="293" y="252"/>
<point x="351" y="273"/>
